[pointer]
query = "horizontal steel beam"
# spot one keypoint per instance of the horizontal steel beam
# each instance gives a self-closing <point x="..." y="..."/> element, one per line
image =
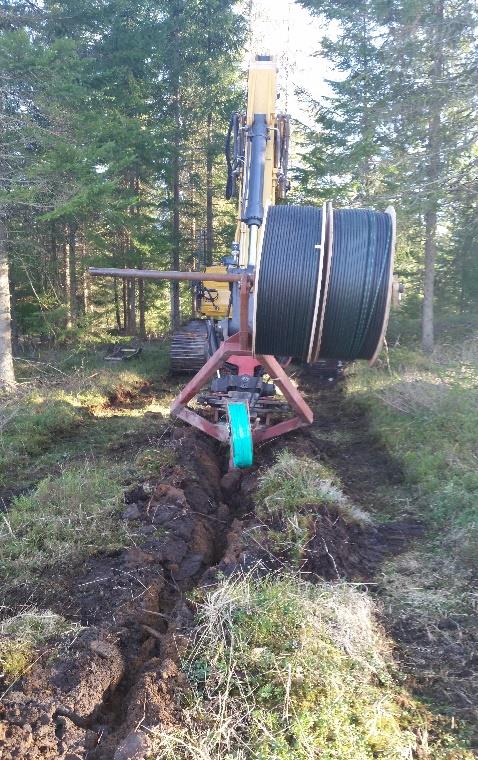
<point x="156" y="274"/>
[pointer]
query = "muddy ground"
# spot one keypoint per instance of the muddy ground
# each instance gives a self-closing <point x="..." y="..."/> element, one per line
<point x="98" y="698"/>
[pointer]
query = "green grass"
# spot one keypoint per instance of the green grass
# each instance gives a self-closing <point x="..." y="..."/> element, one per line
<point x="60" y="521"/>
<point x="424" y="411"/>
<point x="289" y="499"/>
<point x="68" y="454"/>
<point x="281" y="669"/>
<point x="65" y="412"/>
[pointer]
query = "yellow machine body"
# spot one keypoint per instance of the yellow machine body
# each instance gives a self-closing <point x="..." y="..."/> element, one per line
<point x="215" y="302"/>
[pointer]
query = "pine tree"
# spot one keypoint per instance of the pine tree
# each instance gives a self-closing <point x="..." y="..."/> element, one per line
<point x="398" y="123"/>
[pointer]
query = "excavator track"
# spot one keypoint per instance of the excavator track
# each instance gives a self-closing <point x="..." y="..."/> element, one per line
<point x="189" y="347"/>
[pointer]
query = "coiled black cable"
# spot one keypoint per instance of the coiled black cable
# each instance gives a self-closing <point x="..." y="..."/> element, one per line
<point x="359" y="284"/>
<point x="287" y="281"/>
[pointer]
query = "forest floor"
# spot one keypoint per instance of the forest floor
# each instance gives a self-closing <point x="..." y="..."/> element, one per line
<point x="320" y="604"/>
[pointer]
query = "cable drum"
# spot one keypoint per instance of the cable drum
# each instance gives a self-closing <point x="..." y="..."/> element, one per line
<point x="288" y="279"/>
<point x="358" y="294"/>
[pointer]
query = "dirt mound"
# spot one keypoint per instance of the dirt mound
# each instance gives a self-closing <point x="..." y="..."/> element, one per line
<point x="340" y="549"/>
<point x="122" y="396"/>
<point x="120" y="673"/>
<point x="332" y="549"/>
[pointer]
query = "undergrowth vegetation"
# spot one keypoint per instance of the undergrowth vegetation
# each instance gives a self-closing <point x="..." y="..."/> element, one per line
<point x="77" y="405"/>
<point x="69" y="443"/>
<point x="62" y="519"/>
<point x="424" y="410"/>
<point x="281" y="669"/>
<point x="290" y="498"/>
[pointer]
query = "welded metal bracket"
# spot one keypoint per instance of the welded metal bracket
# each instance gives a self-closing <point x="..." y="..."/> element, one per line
<point x="237" y="346"/>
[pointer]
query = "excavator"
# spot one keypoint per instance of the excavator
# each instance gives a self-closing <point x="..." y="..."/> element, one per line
<point x="193" y="343"/>
<point x="313" y="283"/>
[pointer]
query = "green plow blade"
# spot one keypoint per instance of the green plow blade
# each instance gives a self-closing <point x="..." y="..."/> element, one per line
<point x="241" y="436"/>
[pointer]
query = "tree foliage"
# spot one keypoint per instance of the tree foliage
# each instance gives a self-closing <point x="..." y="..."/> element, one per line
<point x="114" y="112"/>
<point x="400" y="126"/>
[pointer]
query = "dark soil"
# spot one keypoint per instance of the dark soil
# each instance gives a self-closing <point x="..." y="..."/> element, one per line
<point x="99" y="698"/>
<point x="121" y="672"/>
<point x="125" y="396"/>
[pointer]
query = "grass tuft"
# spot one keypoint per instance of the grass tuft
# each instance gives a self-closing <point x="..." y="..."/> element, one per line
<point x="61" y="520"/>
<point x="294" y="481"/>
<point x="284" y="670"/>
<point x="289" y="500"/>
<point x="22" y="634"/>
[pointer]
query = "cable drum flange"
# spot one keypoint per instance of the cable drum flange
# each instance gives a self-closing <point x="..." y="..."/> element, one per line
<point x="358" y="294"/>
<point x="287" y="280"/>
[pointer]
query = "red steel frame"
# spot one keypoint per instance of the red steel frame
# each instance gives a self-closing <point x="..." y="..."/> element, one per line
<point x="238" y="346"/>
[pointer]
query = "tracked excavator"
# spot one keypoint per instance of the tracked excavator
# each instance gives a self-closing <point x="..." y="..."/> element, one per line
<point x="193" y="343"/>
<point x="307" y="282"/>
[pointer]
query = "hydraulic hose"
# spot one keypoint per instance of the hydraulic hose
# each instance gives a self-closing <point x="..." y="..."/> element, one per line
<point x="258" y="136"/>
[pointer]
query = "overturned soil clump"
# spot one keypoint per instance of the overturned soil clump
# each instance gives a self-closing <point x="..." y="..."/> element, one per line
<point x="120" y="672"/>
<point x="119" y="679"/>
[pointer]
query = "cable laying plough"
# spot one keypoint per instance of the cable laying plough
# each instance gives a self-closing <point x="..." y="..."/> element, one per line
<point x="301" y="282"/>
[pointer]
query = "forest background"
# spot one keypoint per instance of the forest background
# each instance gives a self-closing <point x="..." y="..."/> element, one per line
<point x="113" y="116"/>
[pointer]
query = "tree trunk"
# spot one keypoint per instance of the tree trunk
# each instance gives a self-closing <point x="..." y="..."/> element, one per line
<point x="175" y="257"/>
<point x="54" y="255"/>
<point x="428" y="337"/>
<point x="86" y="293"/>
<point x="125" y="306"/>
<point x="142" y="308"/>
<point x="175" y="169"/>
<point x="117" y="304"/>
<point x="131" y="294"/>
<point x="66" y="279"/>
<point x="82" y="297"/>
<point x="73" y="275"/>
<point x="433" y="177"/>
<point x="209" y="193"/>
<point x="7" y="375"/>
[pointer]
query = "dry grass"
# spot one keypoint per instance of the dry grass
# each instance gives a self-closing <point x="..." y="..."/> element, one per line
<point x="294" y="481"/>
<point x="22" y="635"/>
<point x="283" y="670"/>
<point x="290" y="500"/>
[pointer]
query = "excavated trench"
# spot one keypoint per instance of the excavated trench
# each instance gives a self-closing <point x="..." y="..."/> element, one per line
<point x="99" y="698"/>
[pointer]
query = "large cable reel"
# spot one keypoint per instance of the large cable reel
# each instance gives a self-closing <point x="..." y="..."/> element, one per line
<point x="288" y="281"/>
<point x="323" y="282"/>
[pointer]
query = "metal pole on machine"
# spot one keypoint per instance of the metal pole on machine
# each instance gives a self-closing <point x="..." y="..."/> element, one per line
<point x="254" y="211"/>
